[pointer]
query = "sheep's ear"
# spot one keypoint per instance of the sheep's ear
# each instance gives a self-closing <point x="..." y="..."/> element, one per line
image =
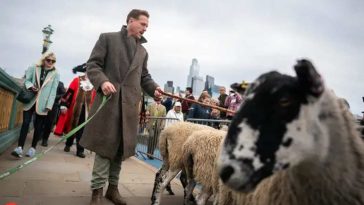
<point x="240" y="87"/>
<point x="309" y="78"/>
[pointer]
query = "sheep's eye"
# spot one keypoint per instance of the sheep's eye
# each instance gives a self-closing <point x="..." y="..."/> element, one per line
<point x="284" y="102"/>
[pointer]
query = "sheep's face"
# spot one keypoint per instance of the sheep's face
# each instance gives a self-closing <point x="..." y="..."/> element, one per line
<point x="271" y="130"/>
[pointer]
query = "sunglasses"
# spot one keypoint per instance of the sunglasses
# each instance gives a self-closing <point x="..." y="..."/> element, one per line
<point x="50" y="60"/>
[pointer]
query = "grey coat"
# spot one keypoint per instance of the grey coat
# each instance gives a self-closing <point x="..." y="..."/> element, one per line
<point x="113" y="59"/>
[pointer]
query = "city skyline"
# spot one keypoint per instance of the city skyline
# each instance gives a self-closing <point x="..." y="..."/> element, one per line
<point x="193" y="78"/>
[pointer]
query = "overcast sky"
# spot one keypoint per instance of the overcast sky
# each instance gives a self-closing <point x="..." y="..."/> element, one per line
<point x="233" y="40"/>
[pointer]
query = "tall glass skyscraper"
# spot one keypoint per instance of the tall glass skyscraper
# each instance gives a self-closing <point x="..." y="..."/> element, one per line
<point x="194" y="72"/>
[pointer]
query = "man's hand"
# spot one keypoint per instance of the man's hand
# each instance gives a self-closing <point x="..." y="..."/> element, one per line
<point x="157" y="92"/>
<point x="108" y="88"/>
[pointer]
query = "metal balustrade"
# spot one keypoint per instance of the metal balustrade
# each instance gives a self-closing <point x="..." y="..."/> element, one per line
<point x="149" y="132"/>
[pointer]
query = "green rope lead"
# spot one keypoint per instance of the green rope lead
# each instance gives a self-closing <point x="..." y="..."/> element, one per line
<point x="41" y="154"/>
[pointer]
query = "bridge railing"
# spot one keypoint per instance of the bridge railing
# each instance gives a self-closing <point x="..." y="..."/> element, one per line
<point x="148" y="136"/>
<point x="10" y="111"/>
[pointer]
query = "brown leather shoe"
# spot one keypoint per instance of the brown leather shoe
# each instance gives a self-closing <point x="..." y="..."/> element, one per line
<point x="96" y="196"/>
<point x="113" y="195"/>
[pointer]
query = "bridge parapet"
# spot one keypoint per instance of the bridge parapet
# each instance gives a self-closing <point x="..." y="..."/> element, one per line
<point x="10" y="110"/>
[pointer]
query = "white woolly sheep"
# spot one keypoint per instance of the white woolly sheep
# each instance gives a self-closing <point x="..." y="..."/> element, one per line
<point x="199" y="157"/>
<point x="200" y="152"/>
<point x="170" y="145"/>
<point x="294" y="143"/>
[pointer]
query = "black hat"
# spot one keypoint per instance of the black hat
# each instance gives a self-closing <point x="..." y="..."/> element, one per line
<point x="79" y="68"/>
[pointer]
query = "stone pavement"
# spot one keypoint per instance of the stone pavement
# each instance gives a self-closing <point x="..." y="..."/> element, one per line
<point x="62" y="178"/>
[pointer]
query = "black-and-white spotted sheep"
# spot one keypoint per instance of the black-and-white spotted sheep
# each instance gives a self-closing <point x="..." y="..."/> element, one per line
<point x="293" y="142"/>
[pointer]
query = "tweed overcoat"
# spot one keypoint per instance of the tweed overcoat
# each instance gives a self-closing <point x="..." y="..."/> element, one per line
<point x="122" y="61"/>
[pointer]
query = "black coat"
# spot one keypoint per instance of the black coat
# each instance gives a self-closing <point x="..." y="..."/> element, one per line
<point x="199" y="112"/>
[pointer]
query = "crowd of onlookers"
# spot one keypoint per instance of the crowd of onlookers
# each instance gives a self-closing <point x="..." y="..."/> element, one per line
<point x="181" y="110"/>
<point x="171" y="107"/>
<point x="162" y="112"/>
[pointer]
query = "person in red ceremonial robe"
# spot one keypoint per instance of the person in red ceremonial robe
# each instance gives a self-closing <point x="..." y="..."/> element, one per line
<point x="75" y="106"/>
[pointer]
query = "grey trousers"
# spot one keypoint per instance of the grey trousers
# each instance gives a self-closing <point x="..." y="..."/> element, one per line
<point x="106" y="170"/>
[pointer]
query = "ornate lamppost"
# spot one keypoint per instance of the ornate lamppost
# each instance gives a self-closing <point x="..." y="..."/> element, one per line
<point x="47" y="32"/>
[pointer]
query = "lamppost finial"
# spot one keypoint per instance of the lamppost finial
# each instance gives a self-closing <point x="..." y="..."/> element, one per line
<point x="47" y="32"/>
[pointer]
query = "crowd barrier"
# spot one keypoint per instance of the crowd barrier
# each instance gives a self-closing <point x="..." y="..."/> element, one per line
<point x="149" y="131"/>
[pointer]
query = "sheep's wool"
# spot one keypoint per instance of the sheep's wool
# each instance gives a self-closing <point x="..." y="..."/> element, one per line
<point x="293" y="143"/>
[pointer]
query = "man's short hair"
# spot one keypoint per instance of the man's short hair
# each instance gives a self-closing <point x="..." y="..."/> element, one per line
<point x="135" y="13"/>
<point x="189" y="89"/>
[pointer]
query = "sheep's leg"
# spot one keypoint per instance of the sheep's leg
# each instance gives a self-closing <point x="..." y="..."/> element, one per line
<point x="169" y="189"/>
<point x="204" y="196"/>
<point x="156" y="186"/>
<point x="162" y="182"/>
<point x="191" y="183"/>
<point x="189" y="199"/>
<point x="183" y="178"/>
<point x="157" y="183"/>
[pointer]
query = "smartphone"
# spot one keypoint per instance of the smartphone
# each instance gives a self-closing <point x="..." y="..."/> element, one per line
<point x="363" y="99"/>
<point x="35" y="89"/>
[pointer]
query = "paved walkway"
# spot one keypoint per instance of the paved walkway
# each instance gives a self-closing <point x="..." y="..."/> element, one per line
<point x="62" y="178"/>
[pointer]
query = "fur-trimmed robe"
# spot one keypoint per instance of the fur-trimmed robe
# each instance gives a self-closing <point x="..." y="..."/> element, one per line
<point x="73" y="100"/>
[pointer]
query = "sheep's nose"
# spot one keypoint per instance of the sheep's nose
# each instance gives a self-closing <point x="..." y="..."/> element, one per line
<point x="226" y="172"/>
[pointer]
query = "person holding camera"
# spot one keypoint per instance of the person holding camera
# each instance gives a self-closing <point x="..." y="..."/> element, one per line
<point x="41" y="78"/>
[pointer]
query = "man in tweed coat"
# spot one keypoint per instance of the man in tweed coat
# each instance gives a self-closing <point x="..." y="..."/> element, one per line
<point x="118" y="67"/>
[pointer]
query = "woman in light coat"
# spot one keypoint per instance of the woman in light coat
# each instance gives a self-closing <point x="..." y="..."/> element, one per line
<point x="41" y="78"/>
